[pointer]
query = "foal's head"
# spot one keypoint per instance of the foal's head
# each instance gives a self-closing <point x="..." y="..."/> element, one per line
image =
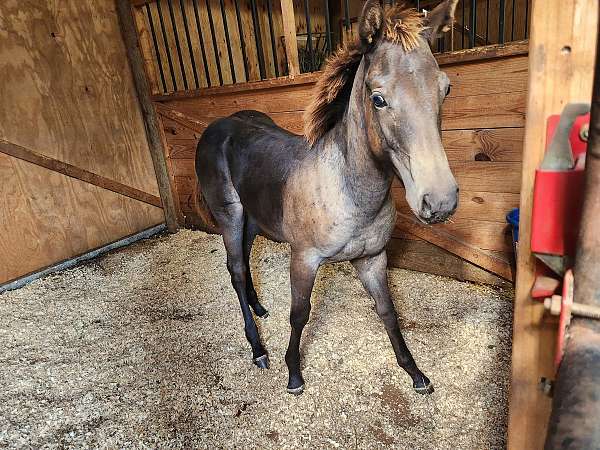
<point x="399" y="89"/>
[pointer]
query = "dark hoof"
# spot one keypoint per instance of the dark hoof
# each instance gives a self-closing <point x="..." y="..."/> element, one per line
<point x="262" y="362"/>
<point x="296" y="391"/>
<point x="423" y="386"/>
<point x="260" y="311"/>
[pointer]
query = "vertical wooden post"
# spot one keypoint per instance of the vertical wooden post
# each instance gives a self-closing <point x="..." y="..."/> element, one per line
<point x="561" y="61"/>
<point x="146" y="49"/>
<point x="289" y="33"/>
<point x="173" y="216"/>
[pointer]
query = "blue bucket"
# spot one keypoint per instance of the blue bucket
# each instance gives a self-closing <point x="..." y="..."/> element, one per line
<point x="513" y="219"/>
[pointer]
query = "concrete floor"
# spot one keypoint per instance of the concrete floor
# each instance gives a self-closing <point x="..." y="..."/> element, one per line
<point x="145" y="348"/>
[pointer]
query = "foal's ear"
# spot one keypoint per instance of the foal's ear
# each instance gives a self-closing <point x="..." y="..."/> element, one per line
<point x="439" y="20"/>
<point x="371" y="21"/>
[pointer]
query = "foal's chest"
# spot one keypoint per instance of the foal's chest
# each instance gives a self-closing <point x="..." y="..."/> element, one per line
<point x="365" y="239"/>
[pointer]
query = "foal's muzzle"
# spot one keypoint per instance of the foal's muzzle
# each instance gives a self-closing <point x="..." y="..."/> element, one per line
<point x="438" y="207"/>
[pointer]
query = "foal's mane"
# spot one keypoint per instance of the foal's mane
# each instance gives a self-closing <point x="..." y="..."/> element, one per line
<point x="401" y="25"/>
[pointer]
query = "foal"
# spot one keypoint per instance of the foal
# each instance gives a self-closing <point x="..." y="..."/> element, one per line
<point x="375" y="114"/>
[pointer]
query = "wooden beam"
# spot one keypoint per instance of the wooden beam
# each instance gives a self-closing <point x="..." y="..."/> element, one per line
<point x="281" y="82"/>
<point x="562" y="49"/>
<point x="69" y="170"/>
<point x="489" y="52"/>
<point x="140" y="2"/>
<point x="289" y="36"/>
<point x="179" y="117"/>
<point x="454" y="245"/>
<point x="166" y="185"/>
<point x="485" y="52"/>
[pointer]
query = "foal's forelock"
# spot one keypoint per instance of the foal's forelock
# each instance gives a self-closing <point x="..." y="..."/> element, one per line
<point x="402" y="26"/>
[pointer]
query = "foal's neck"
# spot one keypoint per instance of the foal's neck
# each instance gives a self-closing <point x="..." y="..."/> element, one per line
<point x="368" y="178"/>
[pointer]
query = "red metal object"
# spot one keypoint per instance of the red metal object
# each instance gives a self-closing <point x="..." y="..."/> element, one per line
<point x="559" y="186"/>
<point x="556" y="211"/>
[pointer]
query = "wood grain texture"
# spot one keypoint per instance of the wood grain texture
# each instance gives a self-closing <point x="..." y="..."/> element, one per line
<point x="67" y="92"/>
<point x="153" y="129"/>
<point x="67" y="89"/>
<point x="46" y="217"/>
<point x="473" y="205"/>
<point x="425" y="257"/>
<point x="560" y="71"/>
<point x="28" y="155"/>
<point x="456" y="244"/>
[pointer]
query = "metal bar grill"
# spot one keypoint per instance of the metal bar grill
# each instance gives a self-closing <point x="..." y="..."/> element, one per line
<point x="227" y="40"/>
<point x="258" y="39"/>
<point x="309" y="44"/>
<point x="501" y="22"/>
<point x="201" y="39"/>
<point x="473" y="30"/>
<point x="156" y="49"/>
<point x="214" y="41"/>
<point x="166" y="41"/>
<point x="328" y="27"/>
<point x="242" y="40"/>
<point x="177" y="44"/>
<point x="175" y="49"/>
<point x="346" y="15"/>
<point x="189" y="43"/>
<point x="272" y="33"/>
<point x="512" y="22"/>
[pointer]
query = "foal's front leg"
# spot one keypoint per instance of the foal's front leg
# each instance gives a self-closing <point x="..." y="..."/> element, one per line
<point x="372" y="271"/>
<point x="303" y="269"/>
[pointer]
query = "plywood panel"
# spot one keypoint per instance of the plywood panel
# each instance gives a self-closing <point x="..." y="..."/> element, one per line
<point x="67" y="90"/>
<point x="46" y="217"/>
<point x="68" y="93"/>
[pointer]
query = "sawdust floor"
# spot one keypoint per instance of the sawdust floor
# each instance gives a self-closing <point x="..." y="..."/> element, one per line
<point x="145" y="348"/>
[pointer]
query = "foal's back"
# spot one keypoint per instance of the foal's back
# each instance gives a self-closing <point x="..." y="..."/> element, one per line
<point x="247" y="158"/>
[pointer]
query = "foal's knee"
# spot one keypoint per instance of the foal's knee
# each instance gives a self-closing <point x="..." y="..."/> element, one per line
<point x="299" y="317"/>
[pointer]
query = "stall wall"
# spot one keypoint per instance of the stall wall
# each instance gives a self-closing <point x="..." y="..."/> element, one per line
<point x="67" y="96"/>
<point x="483" y="120"/>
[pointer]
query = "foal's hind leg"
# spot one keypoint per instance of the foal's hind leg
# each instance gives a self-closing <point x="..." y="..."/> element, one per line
<point x="372" y="271"/>
<point x="231" y="221"/>
<point x="250" y="231"/>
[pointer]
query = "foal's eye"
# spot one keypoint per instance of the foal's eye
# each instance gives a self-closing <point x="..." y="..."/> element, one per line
<point x="378" y="101"/>
<point x="448" y="90"/>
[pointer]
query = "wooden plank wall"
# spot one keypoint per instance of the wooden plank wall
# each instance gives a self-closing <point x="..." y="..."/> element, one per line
<point x="67" y="94"/>
<point x="174" y="81"/>
<point x="483" y="120"/>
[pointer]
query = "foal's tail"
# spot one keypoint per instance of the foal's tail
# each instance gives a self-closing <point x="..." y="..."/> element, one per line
<point x="202" y="209"/>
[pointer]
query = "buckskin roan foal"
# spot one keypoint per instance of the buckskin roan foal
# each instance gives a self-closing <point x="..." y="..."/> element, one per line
<point x="375" y="114"/>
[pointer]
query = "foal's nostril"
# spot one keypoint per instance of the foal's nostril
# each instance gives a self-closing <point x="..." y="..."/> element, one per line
<point x="426" y="209"/>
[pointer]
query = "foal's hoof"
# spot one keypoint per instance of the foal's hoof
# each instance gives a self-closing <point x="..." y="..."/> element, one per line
<point x="262" y="362"/>
<point x="423" y="386"/>
<point x="296" y="391"/>
<point x="260" y="311"/>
